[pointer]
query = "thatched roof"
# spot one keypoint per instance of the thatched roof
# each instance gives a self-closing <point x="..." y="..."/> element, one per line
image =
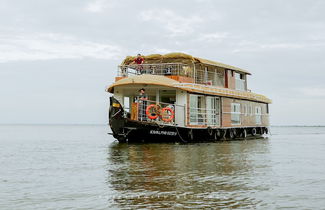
<point x="181" y="58"/>
<point x="148" y="79"/>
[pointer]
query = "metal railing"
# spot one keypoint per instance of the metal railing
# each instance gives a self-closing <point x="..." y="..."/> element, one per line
<point x="209" y="78"/>
<point x="160" y="113"/>
<point x="178" y="69"/>
<point x="215" y="78"/>
<point x="240" y="84"/>
<point x="206" y="77"/>
<point x="202" y="116"/>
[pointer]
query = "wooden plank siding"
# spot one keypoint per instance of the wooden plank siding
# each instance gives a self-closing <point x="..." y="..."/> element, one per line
<point x="231" y="79"/>
<point x="182" y="79"/>
<point x="248" y="119"/>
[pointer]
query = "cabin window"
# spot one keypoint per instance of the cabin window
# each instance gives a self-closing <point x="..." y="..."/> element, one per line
<point x="197" y="105"/>
<point x="258" y="115"/>
<point x="212" y="110"/>
<point x="240" y="81"/>
<point x="167" y="96"/>
<point x="219" y="78"/>
<point x="204" y="110"/>
<point x="206" y="75"/>
<point x="126" y="103"/>
<point x="235" y="114"/>
<point x="250" y="110"/>
<point x="245" y="109"/>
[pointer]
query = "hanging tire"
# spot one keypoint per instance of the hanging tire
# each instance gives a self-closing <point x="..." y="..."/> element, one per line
<point x="210" y="131"/>
<point x="218" y="133"/>
<point x="234" y="131"/>
<point x="253" y="131"/>
<point x="190" y="134"/>
<point x="224" y="134"/>
<point x="216" y="137"/>
<point x="266" y="130"/>
<point x="244" y="133"/>
<point x="231" y="133"/>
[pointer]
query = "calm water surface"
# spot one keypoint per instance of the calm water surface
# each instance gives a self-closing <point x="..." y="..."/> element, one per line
<point x="64" y="167"/>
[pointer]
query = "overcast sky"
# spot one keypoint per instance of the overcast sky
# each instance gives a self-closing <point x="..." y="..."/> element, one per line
<point x="56" y="57"/>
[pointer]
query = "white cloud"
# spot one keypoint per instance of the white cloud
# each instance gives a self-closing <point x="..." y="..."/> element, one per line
<point x="97" y="6"/>
<point x="250" y="46"/>
<point x="176" y="24"/>
<point x="217" y="36"/>
<point x="53" y="46"/>
<point x="312" y="91"/>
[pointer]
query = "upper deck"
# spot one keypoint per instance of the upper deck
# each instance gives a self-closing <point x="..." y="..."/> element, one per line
<point x="187" y="69"/>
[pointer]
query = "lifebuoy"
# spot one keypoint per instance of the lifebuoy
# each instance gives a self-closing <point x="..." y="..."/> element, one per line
<point x="152" y="115"/>
<point x="164" y="112"/>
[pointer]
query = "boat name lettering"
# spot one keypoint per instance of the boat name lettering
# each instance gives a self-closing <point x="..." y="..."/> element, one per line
<point x="168" y="133"/>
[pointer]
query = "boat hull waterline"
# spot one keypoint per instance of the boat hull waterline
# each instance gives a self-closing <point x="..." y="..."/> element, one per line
<point x="127" y="130"/>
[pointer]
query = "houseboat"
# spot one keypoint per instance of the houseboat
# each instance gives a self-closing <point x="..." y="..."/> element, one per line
<point x="180" y="98"/>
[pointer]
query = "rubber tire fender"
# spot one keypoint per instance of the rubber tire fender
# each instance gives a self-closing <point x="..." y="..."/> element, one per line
<point x="254" y="132"/>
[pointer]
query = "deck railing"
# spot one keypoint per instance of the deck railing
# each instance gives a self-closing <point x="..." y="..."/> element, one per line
<point x="197" y="76"/>
<point x="177" y="69"/>
<point x="240" y="84"/>
<point x="209" y="78"/>
<point x="203" y="116"/>
<point x="200" y="76"/>
<point x="159" y="112"/>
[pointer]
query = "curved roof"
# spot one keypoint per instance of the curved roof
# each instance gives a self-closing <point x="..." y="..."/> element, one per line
<point x="226" y="66"/>
<point x="147" y="79"/>
<point x="181" y="58"/>
<point x="143" y="79"/>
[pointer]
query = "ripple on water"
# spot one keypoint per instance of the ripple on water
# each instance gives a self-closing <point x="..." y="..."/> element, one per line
<point x="59" y="167"/>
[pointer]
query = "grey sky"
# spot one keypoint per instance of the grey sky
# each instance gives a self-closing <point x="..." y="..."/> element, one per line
<point x="56" y="57"/>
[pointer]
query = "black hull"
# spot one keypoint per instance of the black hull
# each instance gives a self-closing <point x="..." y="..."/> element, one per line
<point x="126" y="130"/>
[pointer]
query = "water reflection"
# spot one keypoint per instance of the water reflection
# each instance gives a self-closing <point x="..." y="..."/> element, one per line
<point x="194" y="175"/>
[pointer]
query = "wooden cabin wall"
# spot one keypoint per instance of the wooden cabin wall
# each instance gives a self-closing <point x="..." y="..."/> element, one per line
<point x="247" y="118"/>
<point x="231" y="79"/>
<point x="118" y="95"/>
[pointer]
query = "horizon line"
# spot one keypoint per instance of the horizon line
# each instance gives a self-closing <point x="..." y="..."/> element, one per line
<point x="94" y="124"/>
<point x="53" y="124"/>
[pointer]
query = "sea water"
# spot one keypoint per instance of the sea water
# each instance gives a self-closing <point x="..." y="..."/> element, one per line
<point x="81" y="166"/>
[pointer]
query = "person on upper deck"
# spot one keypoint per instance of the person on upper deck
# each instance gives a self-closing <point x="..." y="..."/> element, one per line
<point x="139" y="60"/>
